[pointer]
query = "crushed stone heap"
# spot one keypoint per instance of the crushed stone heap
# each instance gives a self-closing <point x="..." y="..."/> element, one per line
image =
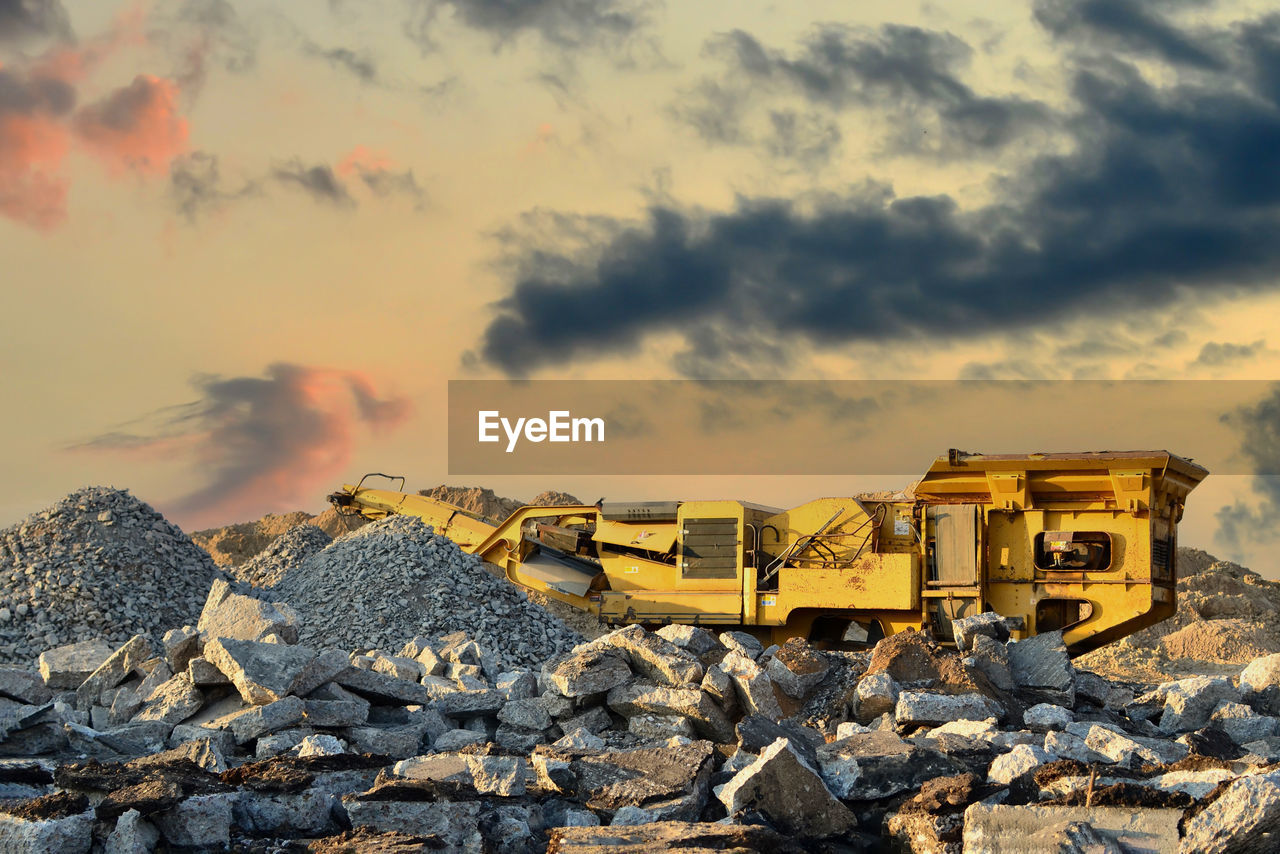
<point x="99" y="564"/>
<point x="395" y="578"/>
<point x="269" y="566"/>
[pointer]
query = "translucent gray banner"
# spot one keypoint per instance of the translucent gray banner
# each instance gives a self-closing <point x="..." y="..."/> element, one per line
<point x="855" y="427"/>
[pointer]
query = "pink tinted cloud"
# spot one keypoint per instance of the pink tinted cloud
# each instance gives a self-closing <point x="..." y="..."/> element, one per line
<point x="264" y="444"/>
<point x="135" y="128"/>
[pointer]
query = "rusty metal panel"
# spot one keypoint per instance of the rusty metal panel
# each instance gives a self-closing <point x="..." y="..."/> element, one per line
<point x="956" y="542"/>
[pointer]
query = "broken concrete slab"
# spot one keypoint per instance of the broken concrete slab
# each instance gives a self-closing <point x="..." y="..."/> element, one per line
<point x="753" y="685"/>
<point x="201" y="822"/>
<point x="987" y="624"/>
<point x="1000" y="829"/>
<point x="262" y="672"/>
<point x="66" y="667"/>
<point x="528" y="713"/>
<point x="1242" y="723"/>
<point x="1243" y="818"/>
<point x="257" y="721"/>
<point x="112" y="672"/>
<point x="923" y="707"/>
<point x="1189" y="703"/>
<point x="877" y="694"/>
<point x="796" y="668"/>
<point x="381" y="688"/>
<point x="641" y="698"/>
<point x="742" y="643"/>
<point x="228" y="614"/>
<point x="789" y="792"/>
<point x="204" y="674"/>
<point x="672" y="779"/>
<point x="1047" y="716"/>
<point x="72" y="833"/>
<point x="589" y="670"/>
<point x="869" y="766"/>
<point x="180" y="646"/>
<point x="654" y="657"/>
<point x="1042" y="669"/>
<point x="692" y="639"/>
<point x="453" y="824"/>
<point x="1007" y="767"/>
<point x="1261" y="674"/>
<point x="131" y="835"/>
<point x="669" y="836"/>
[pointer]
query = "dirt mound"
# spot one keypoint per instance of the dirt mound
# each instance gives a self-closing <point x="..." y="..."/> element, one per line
<point x="1225" y="617"/>
<point x="550" y="498"/>
<point x="98" y="564"/>
<point x="489" y="505"/>
<point x="234" y="544"/>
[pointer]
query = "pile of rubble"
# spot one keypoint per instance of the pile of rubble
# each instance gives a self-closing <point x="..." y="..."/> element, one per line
<point x="99" y="563"/>
<point x="1225" y="618"/>
<point x="233" y="545"/>
<point x="395" y="578"/>
<point x="232" y="734"/>
<point x="268" y="567"/>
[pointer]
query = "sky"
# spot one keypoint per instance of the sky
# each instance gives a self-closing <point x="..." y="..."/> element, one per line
<point x="246" y="245"/>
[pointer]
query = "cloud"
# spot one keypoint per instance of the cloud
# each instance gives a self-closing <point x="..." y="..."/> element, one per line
<point x="196" y="185"/>
<point x="318" y="181"/>
<point x="136" y="127"/>
<point x="1216" y="354"/>
<point x="1169" y="195"/>
<point x="911" y="71"/>
<point x="263" y="444"/>
<point x="28" y="20"/>
<point x="569" y="24"/>
<point x="1240" y="524"/>
<point x="33" y="143"/>
<point x="360" y="65"/>
<point x="378" y="173"/>
<point x="201" y="33"/>
<point x="1132" y="25"/>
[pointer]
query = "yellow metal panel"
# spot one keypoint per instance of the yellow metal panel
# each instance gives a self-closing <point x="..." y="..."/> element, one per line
<point x="642" y="535"/>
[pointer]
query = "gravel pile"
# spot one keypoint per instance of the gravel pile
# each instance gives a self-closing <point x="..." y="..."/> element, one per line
<point x="98" y="564"/>
<point x="394" y="579"/>
<point x="288" y="550"/>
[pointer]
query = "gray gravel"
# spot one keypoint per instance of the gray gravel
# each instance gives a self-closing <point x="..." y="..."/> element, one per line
<point x="391" y="580"/>
<point x="98" y="564"/>
<point x="268" y="567"/>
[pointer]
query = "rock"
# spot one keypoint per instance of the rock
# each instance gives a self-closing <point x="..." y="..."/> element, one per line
<point x="671" y="781"/>
<point x="879" y="764"/>
<point x="755" y="733"/>
<point x="173" y="702"/>
<point x="518" y="739"/>
<point x="753" y="686"/>
<point x="788" y="791"/>
<point x="1127" y="750"/>
<point x="66" y="667"/>
<point x="1009" y="766"/>
<point x="528" y="713"/>
<point x="742" y="643"/>
<point x="453" y="825"/>
<point x="988" y="624"/>
<point x="1066" y="745"/>
<point x="399" y="667"/>
<point x="204" y="674"/>
<point x="921" y="707"/>
<point x="692" y="639"/>
<point x="182" y="734"/>
<point x="1047" y="716"/>
<point x="67" y="833"/>
<point x="1244" y="818"/>
<point x="204" y="753"/>
<point x="796" y="668"/>
<point x="336" y="713"/>
<point x="456" y="739"/>
<point x="1189" y="703"/>
<point x="231" y="615"/>
<point x="382" y="688"/>
<point x="1243" y="724"/>
<point x="1261" y="674"/>
<point x="877" y="694"/>
<point x="262" y="672"/>
<point x="469" y="704"/>
<point x="1092" y="688"/>
<point x="180" y="646"/>
<point x="719" y="686"/>
<point x="1000" y="829"/>
<point x="505" y="776"/>
<point x="111" y="672"/>
<point x="260" y="720"/>
<point x="587" y="671"/>
<point x="132" y="835"/>
<point x="1042" y="669"/>
<point x="307" y="813"/>
<point x="991" y="659"/>
<point x="640" y="698"/>
<point x="521" y="685"/>
<point x="397" y="742"/>
<point x="659" y="727"/>
<point x="319" y="745"/>
<point x="654" y="657"/>
<point x="578" y="739"/>
<point x="594" y="720"/>
<point x="202" y="821"/>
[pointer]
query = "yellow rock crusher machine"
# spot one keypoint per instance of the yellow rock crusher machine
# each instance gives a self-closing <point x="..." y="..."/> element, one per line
<point x="1081" y="542"/>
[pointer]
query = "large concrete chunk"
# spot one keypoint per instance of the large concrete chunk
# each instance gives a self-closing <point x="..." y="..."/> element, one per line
<point x="1245" y="818"/>
<point x="704" y="714"/>
<point x="66" y="667"/>
<point x="754" y="686"/>
<point x="260" y="720"/>
<point x="692" y="639"/>
<point x="228" y="614"/>
<point x="988" y="624"/>
<point x="180" y="646"/>
<point x="1189" y="703"/>
<point x="72" y="834"/>
<point x="654" y="657"/>
<point x="874" y="765"/>
<point x="1261" y="674"/>
<point x="670" y="781"/>
<point x="877" y="695"/>
<point x="173" y="702"/>
<point x="589" y="670"/>
<point x="454" y="825"/>
<point x="1003" y="829"/>
<point x="797" y="668"/>
<point x="922" y="707"/>
<point x="787" y="790"/>
<point x="1243" y="724"/>
<point x="113" y="671"/>
<point x="202" y="822"/>
<point x="261" y="672"/>
<point x="1009" y="766"/>
<point x="1042" y="669"/>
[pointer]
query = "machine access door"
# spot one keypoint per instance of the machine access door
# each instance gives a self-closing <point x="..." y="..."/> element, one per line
<point x="955" y="585"/>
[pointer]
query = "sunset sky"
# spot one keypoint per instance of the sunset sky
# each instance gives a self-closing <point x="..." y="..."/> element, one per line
<point x="245" y="245"/>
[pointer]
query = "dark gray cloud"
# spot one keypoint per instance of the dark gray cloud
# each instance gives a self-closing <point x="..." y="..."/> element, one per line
<point x="1215" y="354"/>
<point x="1139" y="26"/>
<point x="570" y="24"/>
<point x="28" y="20"/>
<point x="318" y="181"/>
<point x="32" y="94"/>
<point x="197" y="186"/>
<point x="903" y="69"/>
<point x="200" y="34"/>
<point x="358" y="64"/>
<point x="388" y="182"/>
<point x="1170" y="195"/>
<point x="1241" y="524"/>
<point x="261" y="443"/>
